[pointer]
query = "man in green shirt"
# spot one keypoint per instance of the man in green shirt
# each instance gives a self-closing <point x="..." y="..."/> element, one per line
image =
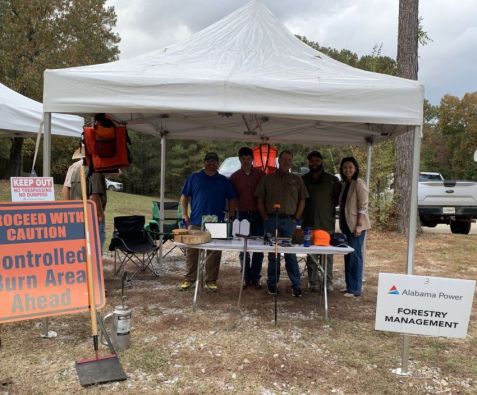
<point x="319" y="213"/>
<point x="280" y="201"/>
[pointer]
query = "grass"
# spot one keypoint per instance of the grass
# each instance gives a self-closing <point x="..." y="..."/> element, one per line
<point x="219" y="348"/>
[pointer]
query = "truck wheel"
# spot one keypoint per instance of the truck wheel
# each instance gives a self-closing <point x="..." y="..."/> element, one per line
<point x="460" y="227"/>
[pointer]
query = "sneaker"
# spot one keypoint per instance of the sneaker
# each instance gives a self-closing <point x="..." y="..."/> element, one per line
<point x="329" y="287"/>
<point x="296" y="292"/>
<point x="350" y="295"/>
<point x="272" y="290"/>
<point x="257" y="285"/>
<point x="211" y="286"/>
<point x="185" y="285"/>
<point x="315" y="289"/>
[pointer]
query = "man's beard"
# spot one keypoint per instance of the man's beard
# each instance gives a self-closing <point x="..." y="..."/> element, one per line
<point x="316" y="169"/>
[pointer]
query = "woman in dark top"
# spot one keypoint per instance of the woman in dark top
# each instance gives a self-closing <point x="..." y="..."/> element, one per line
<point x="354" y="222"/>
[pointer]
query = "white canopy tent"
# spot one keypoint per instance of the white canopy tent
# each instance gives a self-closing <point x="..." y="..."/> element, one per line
<point x="249" y="68"/>
<point x="22" y="117"/>
<point x="245" y="78"/>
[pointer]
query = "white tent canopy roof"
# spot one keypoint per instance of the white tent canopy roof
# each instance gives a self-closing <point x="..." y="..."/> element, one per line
<point x="244" y="78"/>
<point x="21" y="116"/>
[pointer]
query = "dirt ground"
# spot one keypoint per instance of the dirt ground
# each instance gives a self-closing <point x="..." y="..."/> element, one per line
<point x="219" y="348"/>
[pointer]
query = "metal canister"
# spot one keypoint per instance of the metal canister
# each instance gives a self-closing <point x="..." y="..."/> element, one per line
<point x="120" y="327"/>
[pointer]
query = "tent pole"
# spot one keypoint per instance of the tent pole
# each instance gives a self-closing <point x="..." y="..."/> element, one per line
<point x="411" y="237"/>
<point x="46" y="173"/>
<point x="163" y="182"/>
<point x="369" y="153"/>
<point x="46" y="144"/>
<point x="368" y="161"/>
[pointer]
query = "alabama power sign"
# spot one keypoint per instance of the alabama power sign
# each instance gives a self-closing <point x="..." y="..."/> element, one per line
<point x="43" y="259"/>
<point x="421" y="305"/>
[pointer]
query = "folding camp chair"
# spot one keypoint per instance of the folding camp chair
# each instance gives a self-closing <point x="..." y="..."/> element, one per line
<point x="172" y="220"/>
<point x="131" y="243"/>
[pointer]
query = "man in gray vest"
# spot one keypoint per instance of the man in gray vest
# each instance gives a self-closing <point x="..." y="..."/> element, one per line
<point x="72" y="186"/>
<point x="95" y="189"/>
<point x="319" y="213"/>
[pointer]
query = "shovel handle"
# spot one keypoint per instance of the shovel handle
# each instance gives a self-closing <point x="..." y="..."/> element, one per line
<point x="89" y="268"/>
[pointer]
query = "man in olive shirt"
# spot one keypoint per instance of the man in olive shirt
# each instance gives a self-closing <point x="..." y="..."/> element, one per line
<point x="287" y="190"/>
<point x="319" y="213"/>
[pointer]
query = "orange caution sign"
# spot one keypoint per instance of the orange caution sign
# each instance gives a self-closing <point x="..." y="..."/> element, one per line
<point x="43" y="259"/>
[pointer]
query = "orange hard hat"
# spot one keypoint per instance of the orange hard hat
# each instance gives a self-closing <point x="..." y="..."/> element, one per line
<point x="321" y="238"/>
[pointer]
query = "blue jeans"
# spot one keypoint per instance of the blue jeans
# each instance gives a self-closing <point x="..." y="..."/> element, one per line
<point x="285" y="229"/>
<point x="102" y="235"/>
<point x="354" y="264"/>
<point x="252" y="273"/>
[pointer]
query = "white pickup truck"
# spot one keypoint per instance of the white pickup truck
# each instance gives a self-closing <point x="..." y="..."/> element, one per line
<point x="447" y="202"/>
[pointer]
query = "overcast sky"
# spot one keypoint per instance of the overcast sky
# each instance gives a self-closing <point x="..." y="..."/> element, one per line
<point x="447" y="65"/>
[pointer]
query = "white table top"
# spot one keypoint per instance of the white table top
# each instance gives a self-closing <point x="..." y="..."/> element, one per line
<point x="258" y="246"/>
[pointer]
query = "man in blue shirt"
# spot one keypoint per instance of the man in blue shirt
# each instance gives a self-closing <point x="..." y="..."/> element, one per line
<point x="207" y="191"/>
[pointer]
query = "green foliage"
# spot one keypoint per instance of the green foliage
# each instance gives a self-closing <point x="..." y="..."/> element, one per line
<point x="422" y="35"/>
<point x="38" y="34"/>
<point x="453" y="137"/>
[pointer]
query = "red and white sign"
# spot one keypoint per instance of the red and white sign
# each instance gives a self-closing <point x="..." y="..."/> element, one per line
<point x="28" y="189"/>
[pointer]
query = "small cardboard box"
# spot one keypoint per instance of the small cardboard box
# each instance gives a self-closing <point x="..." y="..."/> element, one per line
<point x="193" y="237"/>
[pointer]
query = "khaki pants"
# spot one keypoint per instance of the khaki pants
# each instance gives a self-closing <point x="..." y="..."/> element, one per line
<point x="212" y="263"/>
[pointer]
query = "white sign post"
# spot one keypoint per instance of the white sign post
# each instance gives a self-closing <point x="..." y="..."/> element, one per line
<point x="420" y="305"/>
<point x="28" y="189"/>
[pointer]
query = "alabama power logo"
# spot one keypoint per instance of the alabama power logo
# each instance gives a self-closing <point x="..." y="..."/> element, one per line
<point x="393" y="290"/>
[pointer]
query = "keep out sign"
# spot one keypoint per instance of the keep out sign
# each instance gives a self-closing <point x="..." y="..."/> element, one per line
<point x="43" y="259"/>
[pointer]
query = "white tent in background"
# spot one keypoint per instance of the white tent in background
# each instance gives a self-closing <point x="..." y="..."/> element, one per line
<point x="21" y="117"/>
<point x="245" y="78"/>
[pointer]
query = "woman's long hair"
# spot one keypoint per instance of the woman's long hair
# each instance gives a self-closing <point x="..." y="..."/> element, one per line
<point x="354" y="162"/>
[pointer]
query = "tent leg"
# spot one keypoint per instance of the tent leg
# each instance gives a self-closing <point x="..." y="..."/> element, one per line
<point x="162" y="185"/>
<point x="411" y="238"/>
<point x="368" y="181"/>
<point x="46" y="144"/>
<point x="46" y="173"/>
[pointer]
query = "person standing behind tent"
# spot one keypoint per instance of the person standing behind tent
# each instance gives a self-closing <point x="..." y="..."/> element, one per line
<point x="72" y="185"/>
<point x="245" y="181"/>
<point x="207" y="192"/>
<point x="354" y="222"/>
<point x="288" y="191"/>
<point x="96" y="189"/>
<point x="319" y="213"/>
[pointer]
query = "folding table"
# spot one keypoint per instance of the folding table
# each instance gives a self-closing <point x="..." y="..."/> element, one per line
<point x="258" y="246"/>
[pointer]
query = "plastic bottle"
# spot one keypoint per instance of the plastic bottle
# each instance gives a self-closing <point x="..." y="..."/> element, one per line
<point x="307" y="237"/>
<point x="298" y="235"/>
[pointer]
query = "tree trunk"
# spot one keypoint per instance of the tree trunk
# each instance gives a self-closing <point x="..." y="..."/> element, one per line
<point x="407" y="65"/>
<point x="15" y="165"/>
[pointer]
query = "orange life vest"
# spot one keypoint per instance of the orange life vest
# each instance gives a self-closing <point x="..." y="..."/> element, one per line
<point x="264" y="158"/>
<point x="106" y="146"/>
